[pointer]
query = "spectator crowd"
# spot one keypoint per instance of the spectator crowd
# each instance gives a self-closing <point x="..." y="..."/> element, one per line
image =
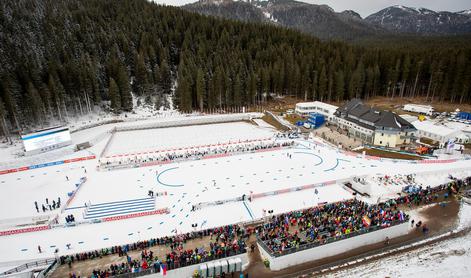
<point x="223" y="242"/>
<point x="327" y="222"/>
<point x="316" y="225"/>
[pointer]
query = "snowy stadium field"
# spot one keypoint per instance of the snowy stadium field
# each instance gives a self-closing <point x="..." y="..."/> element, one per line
<point x="135" y="141"/>
<point x="190" y="183"/>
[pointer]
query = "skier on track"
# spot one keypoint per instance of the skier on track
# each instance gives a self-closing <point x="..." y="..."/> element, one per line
<point x="36" y="205"/>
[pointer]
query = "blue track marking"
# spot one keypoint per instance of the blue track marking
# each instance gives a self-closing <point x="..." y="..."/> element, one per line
<point x="336" y="164"/>
<point x="320" y="158"/>
<point x="166" y="184"/>
<point x="248" y="210"/>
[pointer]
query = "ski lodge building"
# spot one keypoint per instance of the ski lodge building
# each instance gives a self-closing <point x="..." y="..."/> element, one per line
<point x="377" y="127"/>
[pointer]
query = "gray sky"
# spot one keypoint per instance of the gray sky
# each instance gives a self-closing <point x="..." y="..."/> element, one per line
<point x="367" y="7"/>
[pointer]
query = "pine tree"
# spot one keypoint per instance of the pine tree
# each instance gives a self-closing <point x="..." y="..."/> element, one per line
<point x="354" y="85"/>
<point x="252" y="89"/>
<point x="322" y="87"/>
<point x="339" y="85"/>
<point x="3" y="122"/>
<point x="113" y="93"/>
<point x="200" y="89"/>
<point x="35" y="104"/>
<point x="165" y="79"/>
<point x="122" y="81"/>
<point x="141" y="82"/>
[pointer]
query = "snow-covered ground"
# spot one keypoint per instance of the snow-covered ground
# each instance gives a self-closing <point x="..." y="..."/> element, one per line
<point x="448" y="258"/>
<point x="186" y="183"/>
<point x="185" y="136"/>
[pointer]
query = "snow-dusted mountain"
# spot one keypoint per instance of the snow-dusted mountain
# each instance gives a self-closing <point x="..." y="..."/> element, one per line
<point x="323" y="22"/>
<point x="318" y="20"/>
<point x="422" y="21"/>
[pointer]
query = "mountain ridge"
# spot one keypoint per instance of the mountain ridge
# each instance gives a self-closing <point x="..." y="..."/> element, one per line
<point x="323" y="22"/>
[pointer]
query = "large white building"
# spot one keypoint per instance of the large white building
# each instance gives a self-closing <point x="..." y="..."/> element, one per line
<point x="328" y="110"/>
<point x="440" y="132"/>
<point x="377" y="127"/>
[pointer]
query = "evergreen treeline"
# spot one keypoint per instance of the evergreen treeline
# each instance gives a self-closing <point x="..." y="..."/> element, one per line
<point x="62" y="57"/>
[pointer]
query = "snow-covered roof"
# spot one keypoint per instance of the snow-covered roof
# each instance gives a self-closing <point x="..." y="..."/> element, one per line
<point x="408" y="117"/>
<point x="418" y="105"/>
<point x="317" y="104"/>
<point x="433" y="128"/>
<point x="459" y="126"/>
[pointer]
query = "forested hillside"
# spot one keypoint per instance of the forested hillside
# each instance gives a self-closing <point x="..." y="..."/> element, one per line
<point x="62" y="57"/>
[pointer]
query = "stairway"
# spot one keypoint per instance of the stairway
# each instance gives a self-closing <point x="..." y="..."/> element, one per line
<point x="102" y="210"/>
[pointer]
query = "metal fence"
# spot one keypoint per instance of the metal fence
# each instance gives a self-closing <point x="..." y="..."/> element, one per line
<point x="186" y="121"/>
<point x="25" y="266"/>
<point x="327" y="241"/>
<point x="48" y="270"/>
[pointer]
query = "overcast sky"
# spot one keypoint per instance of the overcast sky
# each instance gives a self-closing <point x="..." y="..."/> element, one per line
<point x="367" y="7"/>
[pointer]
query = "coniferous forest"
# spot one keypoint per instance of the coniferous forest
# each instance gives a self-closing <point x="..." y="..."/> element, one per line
<point x="62" y="57"/>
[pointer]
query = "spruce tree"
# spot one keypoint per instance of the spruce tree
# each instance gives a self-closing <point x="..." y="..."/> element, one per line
<point x="113" y="94"/>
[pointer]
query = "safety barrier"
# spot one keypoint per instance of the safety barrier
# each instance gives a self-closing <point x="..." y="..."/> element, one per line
<point x="293" y="189"/>
<point x="328" y="240"/>
<point x="42" y="165"/>
<point x="429" y="161"/>
<point x="24" y="230"/>
<point x="189" y="148"/>
<point x="74" y="193"/>
<point x="106" y="219"/>
<point x="135" y="215"/>
<point x="186" y="121"/>
<point x="35" y="264"/>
